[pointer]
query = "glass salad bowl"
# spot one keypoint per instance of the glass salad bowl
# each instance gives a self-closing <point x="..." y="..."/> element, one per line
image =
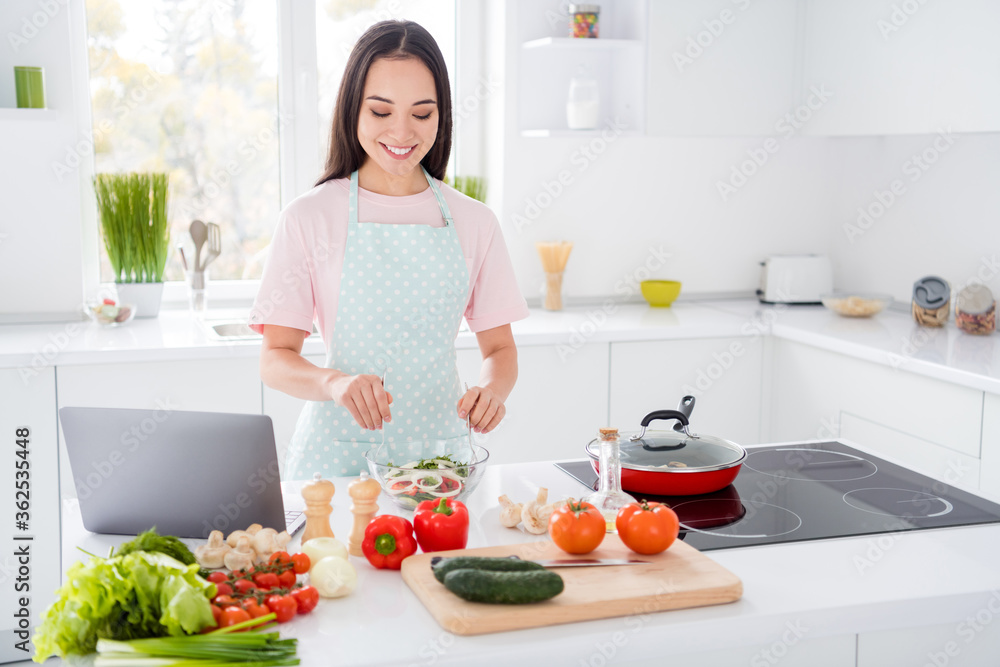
<point x="444" y="476"/>
<point x="109" y="313"/>
<point x="856" y="304"/>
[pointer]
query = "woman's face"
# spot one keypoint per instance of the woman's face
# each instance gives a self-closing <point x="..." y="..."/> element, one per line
<point x="399" y="114"/>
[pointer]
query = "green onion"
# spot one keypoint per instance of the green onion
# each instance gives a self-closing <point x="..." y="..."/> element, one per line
<point x="219" y="647"/>
<point x="133" y="210"/>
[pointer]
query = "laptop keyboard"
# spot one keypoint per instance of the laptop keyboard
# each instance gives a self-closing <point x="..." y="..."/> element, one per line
<point x="294" y="520"/>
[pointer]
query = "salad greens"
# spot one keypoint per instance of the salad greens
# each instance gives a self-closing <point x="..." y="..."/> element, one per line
<point x="138" y="594"/>
<point x="164" y="544"/>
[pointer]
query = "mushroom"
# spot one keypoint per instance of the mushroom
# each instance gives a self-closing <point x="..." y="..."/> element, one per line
<point x="234" y="537"/>
<point x="212" y="554"/>
<point x="254" y="528"/>
<point x="263" y="543"/>
<point x="241" y="557"/>
<point x="531" y="514"/>
<point x="510" y="512"/>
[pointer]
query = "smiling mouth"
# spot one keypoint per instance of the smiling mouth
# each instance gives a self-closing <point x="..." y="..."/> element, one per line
<point x="396" y="151"/>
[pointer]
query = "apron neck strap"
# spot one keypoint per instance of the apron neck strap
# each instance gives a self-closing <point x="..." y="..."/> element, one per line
<point x="442" y="204"/>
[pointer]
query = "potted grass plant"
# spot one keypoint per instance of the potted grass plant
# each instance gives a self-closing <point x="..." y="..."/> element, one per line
<point x="471" y="186"/>
<point x="133" y="210"/>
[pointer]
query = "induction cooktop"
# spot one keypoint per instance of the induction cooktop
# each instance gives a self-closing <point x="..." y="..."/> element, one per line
<point x="809" y="491"/>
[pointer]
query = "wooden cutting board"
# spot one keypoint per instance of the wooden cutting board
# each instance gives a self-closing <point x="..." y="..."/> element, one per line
<point x="678" y="578"/>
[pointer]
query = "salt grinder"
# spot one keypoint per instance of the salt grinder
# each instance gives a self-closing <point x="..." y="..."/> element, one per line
<point x="318" y="493"/>
<point x="363" y="492"/>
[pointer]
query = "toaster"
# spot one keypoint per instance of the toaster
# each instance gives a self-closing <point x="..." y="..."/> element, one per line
<point x="795" y="279"/>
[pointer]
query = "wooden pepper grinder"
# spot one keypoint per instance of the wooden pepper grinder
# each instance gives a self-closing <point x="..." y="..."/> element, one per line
<point x="363" y="492"/>
<point x="318" y="493"/>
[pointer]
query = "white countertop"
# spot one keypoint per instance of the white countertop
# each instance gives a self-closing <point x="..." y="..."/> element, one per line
<point x="890" y="338"/>
<point x="818" y="586"/>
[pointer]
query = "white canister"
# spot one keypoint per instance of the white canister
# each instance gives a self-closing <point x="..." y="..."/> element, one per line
<point x="583" y="106"/>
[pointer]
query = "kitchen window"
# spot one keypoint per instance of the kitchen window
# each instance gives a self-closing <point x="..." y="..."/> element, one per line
<point x="234" y="99"/>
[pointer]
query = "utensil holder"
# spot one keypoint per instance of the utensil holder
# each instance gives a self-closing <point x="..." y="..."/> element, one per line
<point x="552" y="296"/>
<point x="198" y="296"/>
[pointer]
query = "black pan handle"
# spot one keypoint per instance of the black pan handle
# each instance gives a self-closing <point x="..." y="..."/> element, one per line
<point x="664" y="414"/>
<point x="686" y="406"/>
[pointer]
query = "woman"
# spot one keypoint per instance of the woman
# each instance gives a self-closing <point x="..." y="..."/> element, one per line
<point x="388" y="259"/>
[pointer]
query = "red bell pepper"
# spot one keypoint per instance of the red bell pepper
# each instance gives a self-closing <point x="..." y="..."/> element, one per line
<point x="441" y="525"/>
<point x="388" y="540"/>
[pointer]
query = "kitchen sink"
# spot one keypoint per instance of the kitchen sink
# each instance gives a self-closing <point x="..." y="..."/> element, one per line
<point x="238" y="330"/>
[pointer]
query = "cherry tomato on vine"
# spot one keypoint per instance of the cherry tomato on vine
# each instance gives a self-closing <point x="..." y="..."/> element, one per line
<point x="233" y="615"/>
<point x="283" y="607"/>
<point x="243" y="586"/>
<point x="254" y="609"/>
<point x="281" y="557"/>
<point x="223" y="588"/>
<point x="266" y="579"/>
<point x="286" y="579"/>
<point x="306" y="599"/>
<point x="225" y="601"/>
<point x="647" y="528"/>
<point x="301" y="563"/>
<point x="216" y="613"/>
<point x="217" y="577"/>
<point x="577" y="528"/>
<point x="244" y="573"/>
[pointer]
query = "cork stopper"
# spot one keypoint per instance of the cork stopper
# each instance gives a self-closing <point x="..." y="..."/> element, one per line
<point x="319" y="490"/>
<point x="608" y="433"/>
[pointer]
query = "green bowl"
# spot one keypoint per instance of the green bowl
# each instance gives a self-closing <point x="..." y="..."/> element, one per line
<point x="660" y="293"/>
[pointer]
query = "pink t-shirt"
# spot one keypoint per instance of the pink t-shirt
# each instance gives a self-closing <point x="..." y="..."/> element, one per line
<point x="301" y="281"/>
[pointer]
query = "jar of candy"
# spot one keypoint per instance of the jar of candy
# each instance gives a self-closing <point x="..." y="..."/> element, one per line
<point x="583" y="20"/>
<point x="975" y="310"/>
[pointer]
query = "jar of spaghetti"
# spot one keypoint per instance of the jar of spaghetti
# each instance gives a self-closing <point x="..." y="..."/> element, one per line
<point x="583" y="20"/>
<point x="975" y="310"/>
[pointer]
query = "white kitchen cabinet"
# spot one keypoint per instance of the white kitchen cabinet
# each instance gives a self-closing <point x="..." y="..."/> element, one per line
<point x="989" y="473"/>
<point x="29" y="402"/>
<point x="813" y="391"/>
<point x="973" y="642"/>
<point x="558" y="403"/>
<point x="213" y="385"/>
<point x="723" y="374"/>
<point x="284" y="411"/>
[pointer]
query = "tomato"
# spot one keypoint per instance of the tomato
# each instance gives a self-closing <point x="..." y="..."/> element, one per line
<point x="222" y="588"/>
<point x="266" y="579"/>
<point x="217" y="577"/>
<point x="225" y="600"/>
<point x="577" y="528"/>
<point x="306" y="599"/>
<point x="287" y="579"/>
<point x="108" y="302"/>
<point x="233" y="615"/>
<point x="281" y="557"/>
<point x="254" y="609"/>
<point x="301" y="563"/>
<point x="647" y="528"/>
<point x="243" y="586"/>
<point x="242" y="574"/>
<point x="283" y="607"/>
<point x="216" y="613"/>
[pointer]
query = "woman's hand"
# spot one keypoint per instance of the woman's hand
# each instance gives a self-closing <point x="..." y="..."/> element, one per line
<point x="364" y="397"/>
<point x="485" y="407"/>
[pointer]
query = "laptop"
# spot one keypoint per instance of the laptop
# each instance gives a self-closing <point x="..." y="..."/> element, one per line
<point x="186" y="473"/>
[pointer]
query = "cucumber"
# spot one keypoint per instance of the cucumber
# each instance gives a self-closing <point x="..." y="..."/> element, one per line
<point x="504" y="587"/>
<point x="442" y="566"/>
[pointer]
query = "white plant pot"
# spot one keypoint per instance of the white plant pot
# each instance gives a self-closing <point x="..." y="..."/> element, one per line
<point x="144" y="296"/>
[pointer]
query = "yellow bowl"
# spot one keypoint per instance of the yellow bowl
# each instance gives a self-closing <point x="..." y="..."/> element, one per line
<point x="660" y="293"/>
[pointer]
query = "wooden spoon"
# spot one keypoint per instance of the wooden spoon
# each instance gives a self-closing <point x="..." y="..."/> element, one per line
<point x="199" y="234"/>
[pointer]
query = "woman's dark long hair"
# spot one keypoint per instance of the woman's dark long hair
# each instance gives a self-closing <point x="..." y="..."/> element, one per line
<point x="394" y="40"/>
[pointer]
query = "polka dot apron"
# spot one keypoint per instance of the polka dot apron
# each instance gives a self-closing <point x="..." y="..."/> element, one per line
<point x="403" y="291"/>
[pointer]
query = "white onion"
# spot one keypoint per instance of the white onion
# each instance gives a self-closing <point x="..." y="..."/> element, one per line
<point x="319" y="548"/>
<point x="333" y="577"/>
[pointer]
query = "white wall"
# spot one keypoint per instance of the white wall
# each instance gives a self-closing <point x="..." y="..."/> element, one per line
<point x="42" y="239"/>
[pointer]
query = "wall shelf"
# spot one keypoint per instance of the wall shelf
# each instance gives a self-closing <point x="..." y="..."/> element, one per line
<point x="7" y="114"/>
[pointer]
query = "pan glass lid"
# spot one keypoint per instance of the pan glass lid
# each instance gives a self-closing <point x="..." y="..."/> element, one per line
<point x="674" y="452"/>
